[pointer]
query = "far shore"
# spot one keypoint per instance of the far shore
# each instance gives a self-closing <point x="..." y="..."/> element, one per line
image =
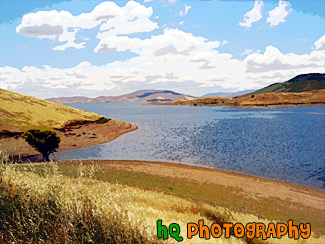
<point x="265" y="100"/>
<point x="264" y="106"/>
<point x="72" y="137"/>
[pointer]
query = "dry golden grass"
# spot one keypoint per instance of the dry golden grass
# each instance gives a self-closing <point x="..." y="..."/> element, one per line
<point x="266" y="99"/>
<point x="51" y="207"/>
<point x="19" y="112"/>
<point x="313" y="97"/>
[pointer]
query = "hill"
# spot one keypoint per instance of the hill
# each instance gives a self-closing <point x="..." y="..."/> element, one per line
<point x="312" y="98"/>
<point x="137" y="96"/>
<point x="228" y="94"/>
<point x="300" y="83"/>
<point x="19" y="112"/>
<point x="76" y="128"/>
<point x="285" y="99"/>
<point x="302" y="90"/>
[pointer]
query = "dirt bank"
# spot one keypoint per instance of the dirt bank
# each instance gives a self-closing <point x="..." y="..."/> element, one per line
<point x="72" y="137"/>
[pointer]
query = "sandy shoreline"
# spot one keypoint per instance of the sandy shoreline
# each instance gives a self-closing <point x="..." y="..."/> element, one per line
<point x="74" y="137"/>
<point x="247" y="185"/>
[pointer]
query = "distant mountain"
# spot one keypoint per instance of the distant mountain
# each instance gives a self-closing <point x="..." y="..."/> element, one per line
<point x="228" y="94"/>
<point x="137" y="96"/>
<point x="300" y="83"/>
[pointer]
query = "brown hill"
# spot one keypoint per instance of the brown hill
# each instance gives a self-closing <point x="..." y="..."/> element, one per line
<point x="76" y="128"/>
<point x="312" y="98"/>
<point x="19" y="112"/>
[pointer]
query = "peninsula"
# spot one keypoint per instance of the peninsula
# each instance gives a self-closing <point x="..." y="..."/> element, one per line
<point x="76" y="128"/>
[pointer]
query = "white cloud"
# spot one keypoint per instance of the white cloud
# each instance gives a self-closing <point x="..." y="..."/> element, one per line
<point x="253" y="15"/>
<point x="320" y="43"/>
<point x="187" y="68"/>
<point x="279" y="14"/>
<point x="184" y="13"/>
<point x="172" y="58"/>
<point x="273" y="60"/>
<point x="63" y="27"/>
<point x="182" y="41"/>
<point x="147" y="1"/>
<point x="247" y="52"/>
<point x="224" y="42"/>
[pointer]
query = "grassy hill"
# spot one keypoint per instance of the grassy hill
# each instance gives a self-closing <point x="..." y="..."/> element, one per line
<point x="302" y="90"/>
<point x="285" y="99"/>
<point x="19" y="112"/>
<point x="300" y="83"/>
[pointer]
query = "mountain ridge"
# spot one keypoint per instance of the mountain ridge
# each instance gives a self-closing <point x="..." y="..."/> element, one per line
<point x="151" y="95"/>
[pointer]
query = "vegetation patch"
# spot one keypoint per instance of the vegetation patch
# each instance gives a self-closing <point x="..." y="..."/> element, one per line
<point x="102" y="120"/>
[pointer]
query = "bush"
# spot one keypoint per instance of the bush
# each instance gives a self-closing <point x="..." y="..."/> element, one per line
<point x="102" y="120"/>
<point x="46" y="142"/>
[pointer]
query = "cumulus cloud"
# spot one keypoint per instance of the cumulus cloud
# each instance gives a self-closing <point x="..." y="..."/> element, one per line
<point x="247" y="52"/>
<point x="184" y="13"/>
<point x="174" y="57"/>
<point x="274" y="60"/>
<point x="320" y="44"/>
<point x="161" y="59"/>
<point x="263" y="68"/>
<point x="190" y="63"/>
<point x="175" y="40"/>
<point x="253" y="15"/>
<point x="279" y="14"/>
<point x="224" y="42"/>
<point x="63" y="27"/>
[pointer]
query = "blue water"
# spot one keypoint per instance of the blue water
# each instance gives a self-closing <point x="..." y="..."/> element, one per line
<point x="286" y="144"/>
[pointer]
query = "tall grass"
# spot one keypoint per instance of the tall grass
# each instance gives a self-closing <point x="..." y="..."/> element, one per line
<point x="54" y="208"/>
<point x="48" y="207"/>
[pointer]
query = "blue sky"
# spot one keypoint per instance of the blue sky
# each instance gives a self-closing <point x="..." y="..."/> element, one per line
<point x="91" y="48"/>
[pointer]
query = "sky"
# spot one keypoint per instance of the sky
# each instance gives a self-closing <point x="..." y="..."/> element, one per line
<point x="96" y="48"/>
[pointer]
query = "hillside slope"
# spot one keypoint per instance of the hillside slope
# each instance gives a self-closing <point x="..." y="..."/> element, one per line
<point x="312" y="98"/>
<point x="18" y="112"/>
<point x="137" y="96"/>
<point x="300" y="83"/>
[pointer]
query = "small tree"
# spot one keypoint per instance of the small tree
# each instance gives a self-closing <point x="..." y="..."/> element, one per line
<point x="46" y="142"/>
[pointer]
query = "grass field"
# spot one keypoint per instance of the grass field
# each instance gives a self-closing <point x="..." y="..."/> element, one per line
<point x="91" y="203"/>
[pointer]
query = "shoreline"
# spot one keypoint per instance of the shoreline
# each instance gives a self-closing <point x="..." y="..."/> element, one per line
<point x="72" y="137"/>
<point x="256" y="186"/>
<point x="264" y="198"/>
<point x="264" y="106"/>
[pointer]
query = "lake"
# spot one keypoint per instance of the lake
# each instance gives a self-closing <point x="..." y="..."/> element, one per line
<point x="286" y="144"/>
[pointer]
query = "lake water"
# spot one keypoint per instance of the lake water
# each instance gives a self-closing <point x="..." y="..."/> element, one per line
<point x="287" y="144"/>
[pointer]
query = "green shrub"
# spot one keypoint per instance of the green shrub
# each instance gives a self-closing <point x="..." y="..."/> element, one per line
<point x="102" y="120"/>
<point x="46" y="142"/>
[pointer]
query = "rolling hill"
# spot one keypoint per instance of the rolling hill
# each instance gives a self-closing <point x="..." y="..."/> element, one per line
<point x="19" y="112"/>
<point x="302" y="90"/>
<point x="300" y="83"/>
<point x="137" y="96"/>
